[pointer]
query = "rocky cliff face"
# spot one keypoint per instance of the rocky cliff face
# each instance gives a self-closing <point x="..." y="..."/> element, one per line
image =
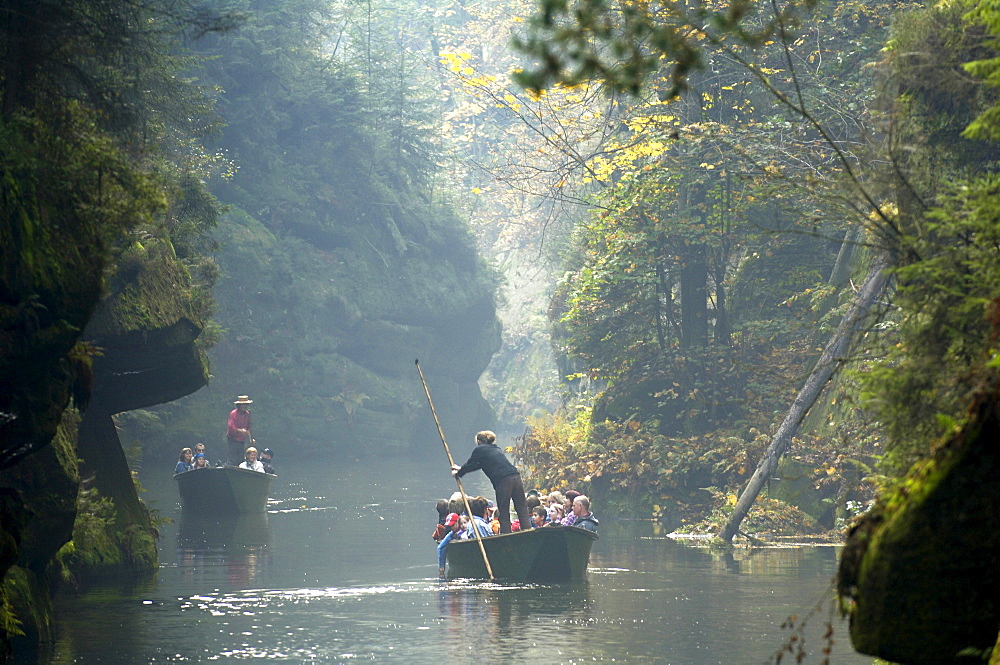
<point x="919" y="572"/>
<point x="324" y="339"/>
<point x="37" y="512"/>
<point x="139" y="350"/>
<point x="145" y="332"/>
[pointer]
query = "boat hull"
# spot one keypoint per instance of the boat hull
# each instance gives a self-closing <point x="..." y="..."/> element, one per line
<point x="545" y="555"/>
<point x="224" y="489"/>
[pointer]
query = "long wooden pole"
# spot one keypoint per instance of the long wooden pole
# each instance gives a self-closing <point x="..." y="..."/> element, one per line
<point x="451" y="463"/>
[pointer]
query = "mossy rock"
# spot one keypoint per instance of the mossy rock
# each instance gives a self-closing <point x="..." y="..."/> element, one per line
<point x="795" y="486"/>
<point x="919" y="572"/>
<point x="46" y="483"/>
<point x="28" y="598"/>
<point x="37" y="521"/>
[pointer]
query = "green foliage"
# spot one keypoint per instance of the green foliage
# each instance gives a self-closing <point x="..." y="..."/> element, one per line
<point x="624" y="43"/>
<point x="767" y="517"/>
<point x="987" y="124"/>
<point x="10" y="625"/>
<point x="633" y="468"/>
<point x="64" y="166"/>
<point x="933" y="108"/>
<point x="94" y="543"/>
<point x="945" y="334"/>
<point x="92" y="133"/>
<point x="100" y="547"/>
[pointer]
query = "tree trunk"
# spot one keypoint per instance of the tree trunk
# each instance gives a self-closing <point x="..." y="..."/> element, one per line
<point x="694" y="297"/>
<point x="723" y="334"/>
<point x="828" y="362"/>
<point x="842" y="268"/>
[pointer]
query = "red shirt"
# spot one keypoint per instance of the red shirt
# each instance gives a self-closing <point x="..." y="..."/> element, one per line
<point x="238" y="420"/>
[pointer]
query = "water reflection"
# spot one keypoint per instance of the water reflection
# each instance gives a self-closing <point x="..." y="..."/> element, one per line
<point x="343" y="569"/>
<point x="240" y="543"/>
<point x="509" y="622"/>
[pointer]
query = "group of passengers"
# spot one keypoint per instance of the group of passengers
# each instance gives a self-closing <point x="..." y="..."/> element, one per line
<point x="488" y="518"/>
<point x="454" y="522"/>
<point x="238" y="435"/>
<point x="192" y="460"/>
<point x="557" y="508"/>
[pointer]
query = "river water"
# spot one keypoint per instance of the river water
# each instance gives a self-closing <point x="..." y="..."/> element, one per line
<point x="342" y="570"/>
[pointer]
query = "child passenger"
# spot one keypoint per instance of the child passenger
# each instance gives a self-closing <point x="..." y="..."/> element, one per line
<point x="491" y="517"/>
<point x="200" y="461"/>
<point x="554" y="504"/>
<point x="539" y="517"/>
<point x="455" y="532"/>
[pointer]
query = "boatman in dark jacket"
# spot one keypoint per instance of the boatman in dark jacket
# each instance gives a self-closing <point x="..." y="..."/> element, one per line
<point x="505" y="477"/>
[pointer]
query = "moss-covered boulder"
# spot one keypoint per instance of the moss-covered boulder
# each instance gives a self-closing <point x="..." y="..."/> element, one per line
<point x="919" y="574"/>
<point x="145" y="330"/>
<point x="40" y="499"/>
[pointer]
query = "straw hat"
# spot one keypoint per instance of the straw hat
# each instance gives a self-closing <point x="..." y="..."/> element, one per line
<point x="243" y="399"/>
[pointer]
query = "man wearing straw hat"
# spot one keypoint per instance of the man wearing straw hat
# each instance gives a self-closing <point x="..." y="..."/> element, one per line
<point x="238" y="435"/>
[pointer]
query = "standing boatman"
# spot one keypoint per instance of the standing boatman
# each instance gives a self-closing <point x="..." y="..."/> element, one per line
<point x="238" y="431"/>
<point x="505" y="477"/>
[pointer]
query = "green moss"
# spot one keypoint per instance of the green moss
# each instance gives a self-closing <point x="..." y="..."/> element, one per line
<point x="27" y="596"/>
<point x="101" y="548"/>
<point x="932" y="546"/>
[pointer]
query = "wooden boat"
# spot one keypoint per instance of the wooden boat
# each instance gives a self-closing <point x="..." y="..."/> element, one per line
<point x="225" y="489"/>
<point x="544" y="555"/>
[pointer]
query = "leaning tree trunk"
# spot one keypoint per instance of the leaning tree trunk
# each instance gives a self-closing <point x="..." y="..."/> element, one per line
<point x="828" y="362"/>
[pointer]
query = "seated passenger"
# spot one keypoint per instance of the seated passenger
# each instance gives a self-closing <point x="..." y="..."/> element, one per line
<point x="251" y="462"/>
<point x="200" y="448"/>
<point x="454" y="525"/>
<point x="265" y="460"/>
<point x="200" y="462"/>
<point x="533" y="501"/>
<point x="554" y="504"/>
<point x="441" y="529"/>
<point x="479" y="506"/>
<point x="570" y="516"/>
<point x="539" y="517"/>
<point x="584" y="518"/>
<point x="491" y="517"/>
<point x="456" y="504"/>
<point x="184" y="461"/>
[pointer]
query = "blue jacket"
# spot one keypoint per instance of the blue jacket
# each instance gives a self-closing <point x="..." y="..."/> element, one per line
<point x="485" y="530"/>
<point x="182" y="466"/>
<point x="443" y="548"/>
<point x="588" y="522"/>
